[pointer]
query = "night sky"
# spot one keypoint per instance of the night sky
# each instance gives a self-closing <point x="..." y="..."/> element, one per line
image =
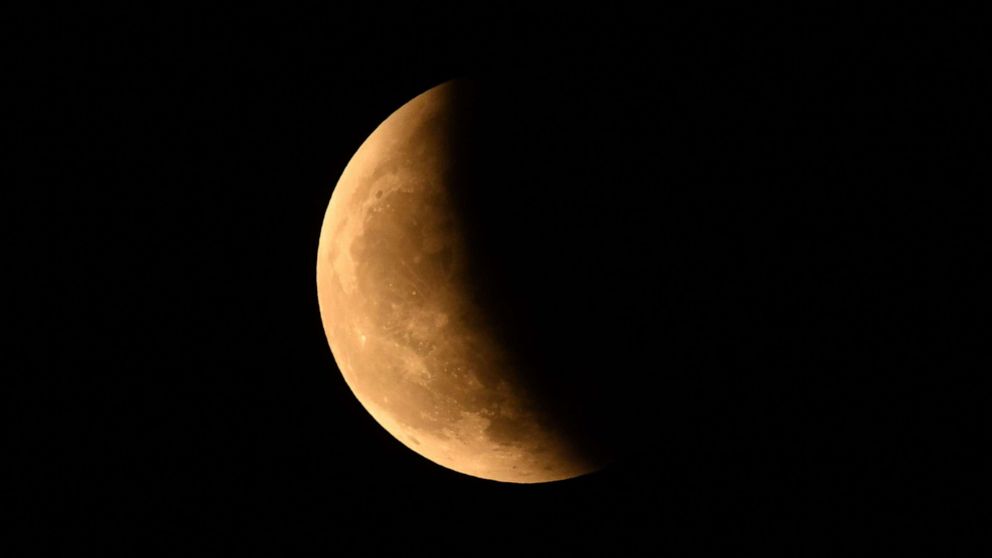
<point x="776" y="223"/>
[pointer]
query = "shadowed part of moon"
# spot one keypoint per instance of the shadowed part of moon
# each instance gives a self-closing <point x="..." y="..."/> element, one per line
<point x="409" y="319"/>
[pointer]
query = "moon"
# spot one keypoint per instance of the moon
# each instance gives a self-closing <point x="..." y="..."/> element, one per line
<point x="406" y="319"/>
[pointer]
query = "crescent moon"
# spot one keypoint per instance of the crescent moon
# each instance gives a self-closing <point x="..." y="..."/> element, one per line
<point x="403" y="318"/>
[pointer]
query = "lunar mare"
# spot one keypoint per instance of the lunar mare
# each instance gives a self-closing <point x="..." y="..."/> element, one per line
<point x="403" y="318"/>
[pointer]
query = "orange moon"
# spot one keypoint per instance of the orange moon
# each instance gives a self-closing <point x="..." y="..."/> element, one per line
<point x="403" y="317"/>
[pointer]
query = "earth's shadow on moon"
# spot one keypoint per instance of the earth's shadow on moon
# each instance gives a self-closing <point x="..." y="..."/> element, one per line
<point x="548" y="259"/>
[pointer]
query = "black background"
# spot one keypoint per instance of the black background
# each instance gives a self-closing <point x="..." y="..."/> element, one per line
<point x="773" y="221"/>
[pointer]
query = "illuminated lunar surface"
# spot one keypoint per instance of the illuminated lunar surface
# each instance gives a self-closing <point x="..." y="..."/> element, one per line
<point x="403" y="317"/>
